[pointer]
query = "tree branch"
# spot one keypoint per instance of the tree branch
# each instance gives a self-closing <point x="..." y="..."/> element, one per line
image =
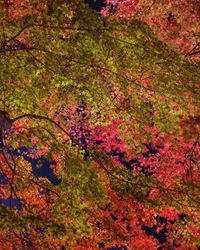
<point x="50" y="190"/>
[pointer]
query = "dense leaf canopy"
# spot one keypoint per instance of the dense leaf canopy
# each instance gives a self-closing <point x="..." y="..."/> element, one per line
<point x="113" y="109"/>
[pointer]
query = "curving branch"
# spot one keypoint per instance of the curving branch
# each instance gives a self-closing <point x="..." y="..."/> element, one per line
<point x="17" y="34"/>
<point x="46" y="188"/>
<point x="41" y="117"/>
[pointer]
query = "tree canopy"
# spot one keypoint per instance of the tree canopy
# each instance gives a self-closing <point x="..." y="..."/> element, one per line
<point x="111" y="106"/>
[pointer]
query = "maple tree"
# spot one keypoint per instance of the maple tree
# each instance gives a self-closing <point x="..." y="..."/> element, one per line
<point x="110" y="108"/>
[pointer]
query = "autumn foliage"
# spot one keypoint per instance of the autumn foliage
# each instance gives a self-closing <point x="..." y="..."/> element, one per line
<point x="99" y="125"/>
